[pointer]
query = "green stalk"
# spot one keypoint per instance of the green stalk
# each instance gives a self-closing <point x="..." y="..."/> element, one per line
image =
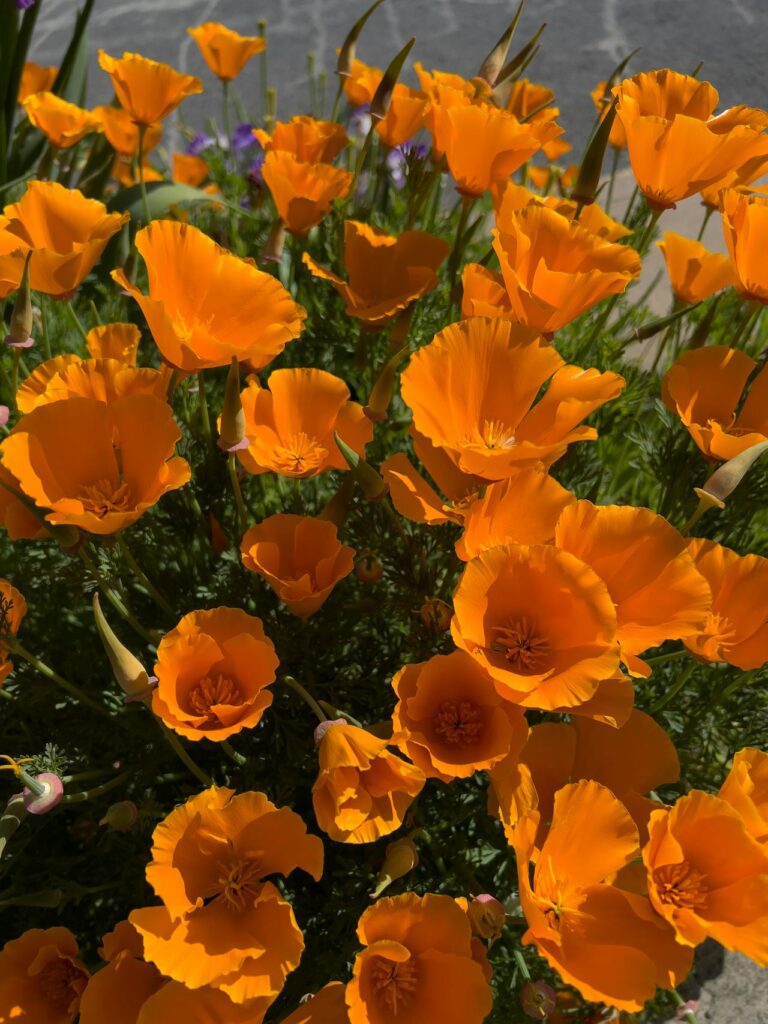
<point x="139" y="573"/>
<point x="114" y="599"/>
<point x="142" y="183"/>
<point x="307" y="697"/>
<point x="677" y="686"/>
<point x="76" y="320"/>
<point x="14" y="647"/>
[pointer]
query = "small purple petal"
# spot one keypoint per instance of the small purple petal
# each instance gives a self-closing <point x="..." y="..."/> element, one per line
<point x="254" y="170"/>
<point x="20" y="344"/>
<point x="24" y="4"/>
<point x="243" y="137"/>
<point x="360" y="123"/>
<point x="200" y="143"/>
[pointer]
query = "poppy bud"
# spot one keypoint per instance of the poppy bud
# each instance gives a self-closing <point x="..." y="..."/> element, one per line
<point x="371" y="483"/>
<point x="275" y="243"/>
<point x="121" y="816"/>
<point x="654" y="326"/>
<point x="232" y="422"/>
<point x="347" y="52"/>
<point x="20" y="329"/>
<point x="487" y="916"/>
<point x="588" y="179"/>
<point x="494" y="62"/>
<point x="537" y="999"/>
<point x="384" y="385"/>
<point x="41" y="792"/>
<point x="519" y="62"/>
<point x="68" y="537"/>
<point x="383" y="95"/>
<point x="130" y="674"/>
<point x="401" y="857"/>
<point x="436" y="614"/>
<point x="368" y="568"/>
<point x="724" y="482"/>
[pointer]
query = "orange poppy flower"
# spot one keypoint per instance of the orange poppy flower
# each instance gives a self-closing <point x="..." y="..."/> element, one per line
<point x="444" y="91"/>
<point x="749" y="172"/>
<point x="509" y="197"/>
<point x="362" y="791"/>
<point x="124" y="171"/>
<point x="386" y="272"/>
<point x="291" y="423"/>
<point x="601" y="97"/>
<point x="708" y="876"/>
<point x="120" y="990"/>
<point x="745" y="225"/>
<point x="530" y="99"/>
<point x="404" y="116"/>
<point x="524" y="509"/>
<point x="601" y="939"/>
<point x="695" y="273"/>
<point x="122" y="132"/>
<point x="361" y="83"/>
<point x="66" y="232"/>
<point x="225" y="51"/>
<point x="736" y="631"/>
<point x="540" y="621"/>
<point x="114" y="341"/>
<point x="222" y="923"/>
<point x="301" y="559"/>
<point x="148" y="90"/>
<point x="704" y="388"/>
<point x="63" y="124"/>
<point x="188" y="169"/>
<point x="96" y="466"/>
<point x="71" y="377"/>
<point x="658" y="592"/>
<point x="328" y="1006"/>
<point x="554" y="270"/>
<point x="675" y="147"/>
<point x="15" y="517"/>
<point x="205" y="304"/>
<point x="471" y="391"/>
<point x="450" y="720"/>
<point x="212" y="672"/>
<point x="483" y="294"/>
<point x="35" y="78"/>
<point x="417" y="964"/>
<point x="41" y="977"/>
<point x="13" y="608"/>
<point x="484" y="144"/>
<point x="303" y="192"/>
<point x="746" y="790"/>
<point x="204" y="1005"/>
<point x="308" y="139"/>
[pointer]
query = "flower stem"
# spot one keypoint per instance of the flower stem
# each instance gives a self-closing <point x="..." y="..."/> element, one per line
<point x="114" y="599"/>
<point x="612" y="179"/>
<point x="661" y="659"/>
<point x="142" y="183"/>
<point x="306" y="697"/>
<point x="139" y="573"/>
<point x="97" y="791"/>
<point x="679" y="683"/>
<point x="205" y="418"/>
<point x="76" y="320"/>
<point x="74" y="691"/>
<point x="175" y="744"/>
<point x="44" y="320"/>
<point x="230" y="751"/>
<point x="242" y="514"/>
<point x="229" y="155"/>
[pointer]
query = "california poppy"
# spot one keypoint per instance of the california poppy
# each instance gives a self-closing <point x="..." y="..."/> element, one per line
<point x="301" y="558"/>
<point x="212" y="672"/>
<point x="417" y="964"/>
<point x="65" y="458"/>
<point x="327" y="1006"/>
<point x="708" y="889"/>
<point x="302" y="192"/>
<point x="114" y="341"/>
<point x="148" y="90"/>
<point x="104" y="379"/>
<point x="705" y="386"/>
<point x="386" y="273"/>
<point x="746" y="789"/>
<point x="602" y="98"/>
<point x="225" y="51"/>
<point x="221" y="923"/>
<point x="695" y="273"/>
<point x="188" y="169"/>
<point x="15" y="517"/>
<point x="290" y="424"/>
<point x="361" y="83"/>
<point x="736" y="631"/>
<point x="450" y="720"/>
<point x="122" y="132"/>
<point x="509" y="198"/>
<point x="483" y="294"/>
<point x="35" y="78"/>
<point x="205" y="304"/>
<point x="308" y="139"/>
<point x="444" y="91"/>
<point x="13" y="608"/>
<point x="472" y="389"/>
<point x="362" y="791"/>
<point x="404" y="116"/>
<point x="603" y="940"/>
<point x="540" y="621"/>
<point x="745" y="225"/>
<point x="64" y="124"/>
<point x="41" y="977"/>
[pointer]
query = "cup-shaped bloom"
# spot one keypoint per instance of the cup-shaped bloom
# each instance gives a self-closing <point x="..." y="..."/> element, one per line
<point x="484" y="144"/>
<point x="148" y="90"/>
<point x="404" y="116"/>
<point x="704" y="387"/>
<point x="291" y="423"/>
<point x="695" y="273"/>
<point x="417" y="964"/>
<point x="122" y="132"/>
<point x="212" y="672"/>
<point x="362" y="791"/>
<point x="645" y="563"/>
<point x="308" y="139"/>
<point x="35" y="78"/>
<point x="444" y="91"/>
<point x="66" y="232"/>
<point x="450" y="720"/>
<point x="301" y="558"/>
<point x="206" y="305"/>
<point x="509" y="198"/>
<point x="472" y="391"/>
<point x="225" y="51"/>
<point x="71" y="377"/>
<point x="41" y="977"/>
<point x="524" y="509"/>
<point x="302" y="192"/>
<point x="539" y="621"/>
<point x="745" y="225"/>
<point x="601" y="97"/>
<point x="64" y="124"/>
<point x="222" y="923"/>
<point x="114" y="341"/>
<point x="554" y="270"/>
<point x="15" y="518"/>
<point x="603" y="940"/>
<point x="708" y="876"/>
<point x="736" y="631"/>
<point x="96" y="466"/>
<point x="746" y="789"/>
<point x="13" y="608"/>
<point x="361" y="83"/>
<point x="385" y="273"/>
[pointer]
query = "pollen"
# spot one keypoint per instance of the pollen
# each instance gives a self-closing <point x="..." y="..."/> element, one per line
<point x="681" y="885"/>
<point x="394" y="983"/>
<point x="104" y="496"/>
<point x="299" y="455"/>
<point x="212" y="691"/>
<point x="521" y="645"/>
<point x="458" y="722"/>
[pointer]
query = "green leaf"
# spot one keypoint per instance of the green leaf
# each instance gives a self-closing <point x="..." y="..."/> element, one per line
<point x="70" y="82"/>
<point x="162" y="195"/>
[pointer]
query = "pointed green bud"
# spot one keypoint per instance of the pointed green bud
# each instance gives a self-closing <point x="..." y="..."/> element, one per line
<point x="588" y="180"/>
<point x="232" y="420"/>
<point x="520" y="61"/>
<point x="494" y="62"/>
<point x="348" y="47"/>
<point x="383" y="388"/>
<point x="337" y="509"/>
<point x="130" y="674"/>
<point x="371" y="483"/>
<point x="648" y="330"/>
<point x="383" y="95"/>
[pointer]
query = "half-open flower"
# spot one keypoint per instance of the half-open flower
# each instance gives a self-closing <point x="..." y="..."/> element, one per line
<point x="404" y="116"/>
<point x="695" y="273"/>
<point x="35" y="78"/>
<point x="71" y="377"/>
<point x="64" y="124"/>
<point x="225" y="51"/>
<point x="303" y="192"/>
<point x="114" y="341"/>
<point x="745" y="225"/>
<point x="148" y="90"/>
<point x="746" y="789"/>
<point x="308" y="139"/>
<point x="122" y="132"/>
<point x="41" y="977"/>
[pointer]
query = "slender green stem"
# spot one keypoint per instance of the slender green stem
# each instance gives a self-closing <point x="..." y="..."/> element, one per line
<point x="662" y="659"/>
<point x="336" y="713"/>
<point x="16" y="648"/>
<point x="361" y="158"/>
<point x="230" y="751"/>
<point x="97" y="791"/>
<point x="76" y="320"/>
<point x="630" y="204"/>
<point x="43" y="299"/>
<point x="242" y="514"/>
<point x="707" y="214"/>
<point x="458" y="244"/>
<point x="306" y="697"/>
<point x="522" y="965"/>
<point x="139" y="573"/>
<point x="114" y="599"/>
<point x="337" y="100"/>
<point x="175" y="744"/>
<point x="142" y="183"/>
<point x="263" y="75"/>
<point x="205" y="419"/>
<point x="676" y="687"/>
<point x="15" y="372"/>
<point x="645" y="238"/>
<point x="229" y="155"/>
<point x="612" y="179"/>
<point x="688" y="1015"/>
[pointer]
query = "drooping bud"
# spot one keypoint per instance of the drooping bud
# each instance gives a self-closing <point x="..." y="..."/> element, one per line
<point x="487" y="916"/>
<point x="275" y="243"/>
<point x="368" y="568"/>
<point x="401" y="857"/>
<point x="20" y="329"/>
<point x="383" y="388"/>
<point x="130" y="674"/>
<point x="121" y="816"/>
<point x="371" y="483"/>
<point x="436" y="614"/>
<point x="724" y="481"/>
<point x="232" y="422"/>
<point x="591" y="167"/>
<point x="494" y="62"/>
<point x="347" y="51"/>
<point x="538" y="1000"/>
<point x="383" y="95"/>
<point x="5" y="414"/>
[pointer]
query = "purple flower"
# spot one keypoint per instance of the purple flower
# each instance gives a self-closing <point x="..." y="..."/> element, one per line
<point x="243" y="137"/>
<point x="254" y="170"/>
<point x="24" y="4"/>
<point x="360" y="122"/>
<point x="396" y="165"/>
<point x="200" y="143"/>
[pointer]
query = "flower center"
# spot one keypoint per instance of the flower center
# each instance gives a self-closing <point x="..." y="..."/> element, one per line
<point x="299" y="455"/>
<point x="209" y="692"/>
<point x="720" y="628"/>
<point x="61" y="983"/>
<point x="681" y="885"/>
<point x="458" y="722"/>
<point x="495" y="434"/>
<point x="239" y="882"/>
<point x="103" y="497"/>
<point x="394" y="982"/>
<point x="520" y="645"/>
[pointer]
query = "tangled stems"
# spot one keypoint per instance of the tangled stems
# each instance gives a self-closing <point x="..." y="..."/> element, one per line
<point x="677" y="686"/>
<point x="97" y="791"/>
<point x="14" y="647"/>
<point x="139" y="573"/>
<point x="76" y="321"/>
<point x="114" y="599"/>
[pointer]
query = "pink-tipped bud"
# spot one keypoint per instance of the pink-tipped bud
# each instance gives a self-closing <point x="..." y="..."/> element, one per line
<point x="487" y="916"/>
<point x="274" y="245"/>
<point x="323" y="728"/>
<point x="368" y="568"/>
<point x="44" y="795"/>
<point x="20" y="328"/>
<point x="121" y="816"/>
<point x="232" y="421"/>
<point x="538" y="1000"/>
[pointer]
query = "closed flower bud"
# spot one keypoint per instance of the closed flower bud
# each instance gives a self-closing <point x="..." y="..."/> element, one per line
<point x="121" y="816"/>
<point x="130" y="674"/>
<point x="383" y="95"/>
<point x="487" y="916"/>
<point x="436" y="614"/>
<point x="368" y="568"/>
<point x="347" y="52"/>
<point x="20" y="330"/>
<point x="5" y="413"/>
<point x="370" y="481"/>
<point x="537" y="999"/>
<point x="494" y="62"/>
<point x="381" y="392"/>
<point x="275" y="243"/>
<point x="402" y="857"/>
<point x="232" y="422"/>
